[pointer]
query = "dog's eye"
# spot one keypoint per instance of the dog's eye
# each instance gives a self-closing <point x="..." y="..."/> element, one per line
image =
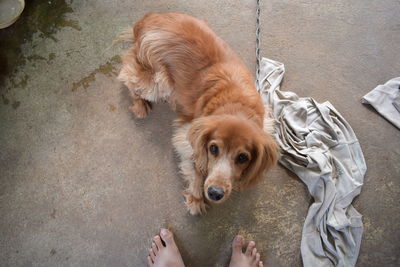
<point x="214" y="150"/>
<point x="242" y="158"/>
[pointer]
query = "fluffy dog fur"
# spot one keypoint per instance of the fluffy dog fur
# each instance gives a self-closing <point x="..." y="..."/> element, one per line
<point x="222" y="128"/>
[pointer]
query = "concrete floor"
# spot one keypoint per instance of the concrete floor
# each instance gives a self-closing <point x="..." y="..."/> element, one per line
<point x="83" y="183"/>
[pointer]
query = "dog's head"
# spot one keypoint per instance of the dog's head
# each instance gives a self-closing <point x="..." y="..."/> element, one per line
<point x="230" y="152"/>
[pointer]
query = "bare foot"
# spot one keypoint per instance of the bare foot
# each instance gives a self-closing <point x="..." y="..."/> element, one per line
<point x="140" y="108"/>
<point x="248" y="259"/>
<point x="165" y="256"/>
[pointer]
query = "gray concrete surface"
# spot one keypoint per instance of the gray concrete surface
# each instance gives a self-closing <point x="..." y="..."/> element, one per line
<point x="83" y="183"/>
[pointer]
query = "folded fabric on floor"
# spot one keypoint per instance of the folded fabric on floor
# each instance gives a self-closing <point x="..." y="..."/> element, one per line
<point x="320" y="147"/>
<point x="385" y="98"/>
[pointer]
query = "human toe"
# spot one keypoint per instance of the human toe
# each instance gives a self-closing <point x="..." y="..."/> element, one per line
<point x="154" y="248"/>
<point x="254" y="252"/>
<point x="157" y="241"/>
<point x="152" y="255"/>
<point x="149" y="261"/>
<point x="168" y="237"/>
<point x="237" y="244"/>
<point x="250" y="247"/>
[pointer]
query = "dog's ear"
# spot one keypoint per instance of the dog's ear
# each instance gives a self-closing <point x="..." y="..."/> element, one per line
<point x="198" y="135"/>
<point x="265" y="155"/>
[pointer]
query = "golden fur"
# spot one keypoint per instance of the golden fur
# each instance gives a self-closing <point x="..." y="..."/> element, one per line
<point x="179" y="59"/>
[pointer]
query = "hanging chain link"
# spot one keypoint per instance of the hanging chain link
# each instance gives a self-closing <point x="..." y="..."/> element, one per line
<point x="258" y="44"/>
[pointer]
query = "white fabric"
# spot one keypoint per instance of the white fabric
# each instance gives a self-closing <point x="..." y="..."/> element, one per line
<point x="320" y="147"/>
<point x="385" y="98"/>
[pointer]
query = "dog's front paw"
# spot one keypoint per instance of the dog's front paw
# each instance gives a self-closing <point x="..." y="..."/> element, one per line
<point x="141" y="108"/>
<point x="196" y="206"/>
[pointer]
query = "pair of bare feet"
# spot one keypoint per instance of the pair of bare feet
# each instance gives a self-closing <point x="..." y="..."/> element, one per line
<point x="165" y="253"/>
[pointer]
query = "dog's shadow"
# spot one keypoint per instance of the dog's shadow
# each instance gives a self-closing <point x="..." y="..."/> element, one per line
<point x="157" y="126"/>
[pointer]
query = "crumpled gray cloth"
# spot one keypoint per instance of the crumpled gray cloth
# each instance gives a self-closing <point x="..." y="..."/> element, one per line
<point x="385" y="98"/>
<point x="320" y="147"/>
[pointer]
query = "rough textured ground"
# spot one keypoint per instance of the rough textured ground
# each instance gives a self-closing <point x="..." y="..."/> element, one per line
<point x="83" y="183"/>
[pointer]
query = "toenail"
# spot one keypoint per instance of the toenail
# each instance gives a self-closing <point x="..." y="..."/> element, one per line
<point x="164" y="232"/>
<point x="252" y="243"/>
<point x="238" y="238"/>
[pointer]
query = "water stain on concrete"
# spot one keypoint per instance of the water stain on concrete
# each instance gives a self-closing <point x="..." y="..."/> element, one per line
<point x="53" y="214"/>
<point x="6" y="101"/>
<point x="51" y="57"/>
<point x="112" y="107"/>
<point x="15" y="104"/>
<point x="372" y="232"/>
<point x="53" y="252"/>
<point x="19" y="82"/>
<point x="108" y="69"/>
<point x="280" y="213"/>
<point x="43" y="17"/>
<point x="35" y="58"/>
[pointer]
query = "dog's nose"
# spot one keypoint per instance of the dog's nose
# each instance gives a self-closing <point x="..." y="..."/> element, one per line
<point x="215" y="193"/>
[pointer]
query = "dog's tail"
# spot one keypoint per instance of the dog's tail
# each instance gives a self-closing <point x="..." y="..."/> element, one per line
<point x="125" y="36"/>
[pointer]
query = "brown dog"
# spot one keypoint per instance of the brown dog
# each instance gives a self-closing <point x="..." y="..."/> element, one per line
<point x="221" y="127"/>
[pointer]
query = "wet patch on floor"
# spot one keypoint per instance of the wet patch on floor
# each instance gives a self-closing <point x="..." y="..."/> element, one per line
<point x="34" y="58"/>
<point x="43" y="17"/>
<point x="53" y="214"/>
<point x="53" y="252"/>
<point x="6" y="101"/>
<point x="51" y="57"/>
<point x="108" y="69"/>
<point x="279" y="212"/>
<point x="112" y="107"/>
<point x="15" y="104"/>
<point x="19" y="82"/>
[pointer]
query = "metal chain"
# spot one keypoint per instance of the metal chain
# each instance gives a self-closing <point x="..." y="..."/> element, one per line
<point x="257" y="44"/>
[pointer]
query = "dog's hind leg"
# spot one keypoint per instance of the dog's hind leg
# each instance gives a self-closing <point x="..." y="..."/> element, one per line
<point x="140" y="107"/>
<point x="146" y="83"/>
<point x="137" y="79"/>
